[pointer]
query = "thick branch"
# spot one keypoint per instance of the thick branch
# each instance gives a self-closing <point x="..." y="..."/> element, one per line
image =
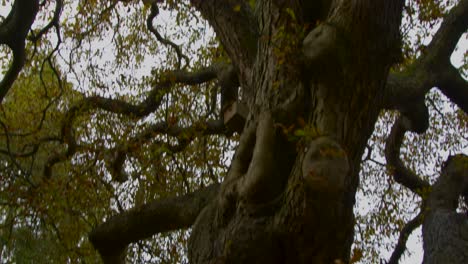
<point x="259" y="183"/>
<point x="455" y="87"/>
<point x="112" y="237"/>
<point x="153" y="100"/>
<point x="15" y="27"/>
<point x="13" y="32"/>
<point x="16" y="66"/>
<point x="444" y="41"/>
<point x="406" y="94"/>
<point x="400" y="172"/>
<point x="405" y="91"/>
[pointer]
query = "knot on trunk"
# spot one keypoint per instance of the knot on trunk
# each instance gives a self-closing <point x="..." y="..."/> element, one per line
<point x="324" y="48"/>
<point x="320" y="43"/>
<point x="325" y="166"/>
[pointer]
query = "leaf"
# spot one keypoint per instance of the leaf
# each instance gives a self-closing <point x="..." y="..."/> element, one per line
<point x="291" y="13"/>
<point x="299" y="133"/>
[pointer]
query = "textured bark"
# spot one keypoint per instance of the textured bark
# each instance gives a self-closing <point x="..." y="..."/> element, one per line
<point x="445" y="235"/>
<point x="291" y="201"/>
<point x="445" y="232"/>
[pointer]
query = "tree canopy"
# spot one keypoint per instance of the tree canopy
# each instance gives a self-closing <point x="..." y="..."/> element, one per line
<point x="113" y="134"/>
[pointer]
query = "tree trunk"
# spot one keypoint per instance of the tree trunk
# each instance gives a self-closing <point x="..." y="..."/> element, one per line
<point x="289" y="194"/>
<point x="445" y="232"/>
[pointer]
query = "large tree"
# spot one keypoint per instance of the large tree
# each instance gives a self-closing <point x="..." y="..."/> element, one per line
<point x="301" y="85"/>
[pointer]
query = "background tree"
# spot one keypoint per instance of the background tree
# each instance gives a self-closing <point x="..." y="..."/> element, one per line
<point x="113" y="130"/>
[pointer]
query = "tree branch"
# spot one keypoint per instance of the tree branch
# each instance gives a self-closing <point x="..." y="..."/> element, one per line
<point x="112" y="237"/>
<point x="406" y="94"/>
<point x="153" y="100"/>
<point x="184" y="134"/>
<point x="404" y="235"/>
<point x="54" y="22"/>
<point x="454" y="87"/>
<point x="16" y="66"/>
<point x="400" y="172"/>
<point x="149" y="23"/>
<point x="406" y="90"/>
<point x="444" y="41"/>
<point x="150" y="104"/>
<point x="13" y="32"/>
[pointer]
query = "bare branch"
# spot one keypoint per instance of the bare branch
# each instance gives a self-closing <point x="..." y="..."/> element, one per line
<point x="184" y="134"/>
<point x="153" y="100"/>
<point x="54" y="22"/>
<point x="400" y="172"/>
<point x="116" y="161"/>
<point x="112" y="237"/>
<point x="150" y="104"/>
<point x="404" y="235"/>
<point x="149" y="23"/>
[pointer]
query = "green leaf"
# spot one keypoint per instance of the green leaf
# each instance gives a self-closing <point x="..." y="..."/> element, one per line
<point x="291" y="13"/>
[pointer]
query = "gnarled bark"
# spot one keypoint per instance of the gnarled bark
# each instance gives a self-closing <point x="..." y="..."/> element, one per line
<point x="289" y="201"/>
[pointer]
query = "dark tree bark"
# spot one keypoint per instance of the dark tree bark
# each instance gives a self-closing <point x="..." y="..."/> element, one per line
<point x="291" y="201"/>
<point x="445" y="232"/>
